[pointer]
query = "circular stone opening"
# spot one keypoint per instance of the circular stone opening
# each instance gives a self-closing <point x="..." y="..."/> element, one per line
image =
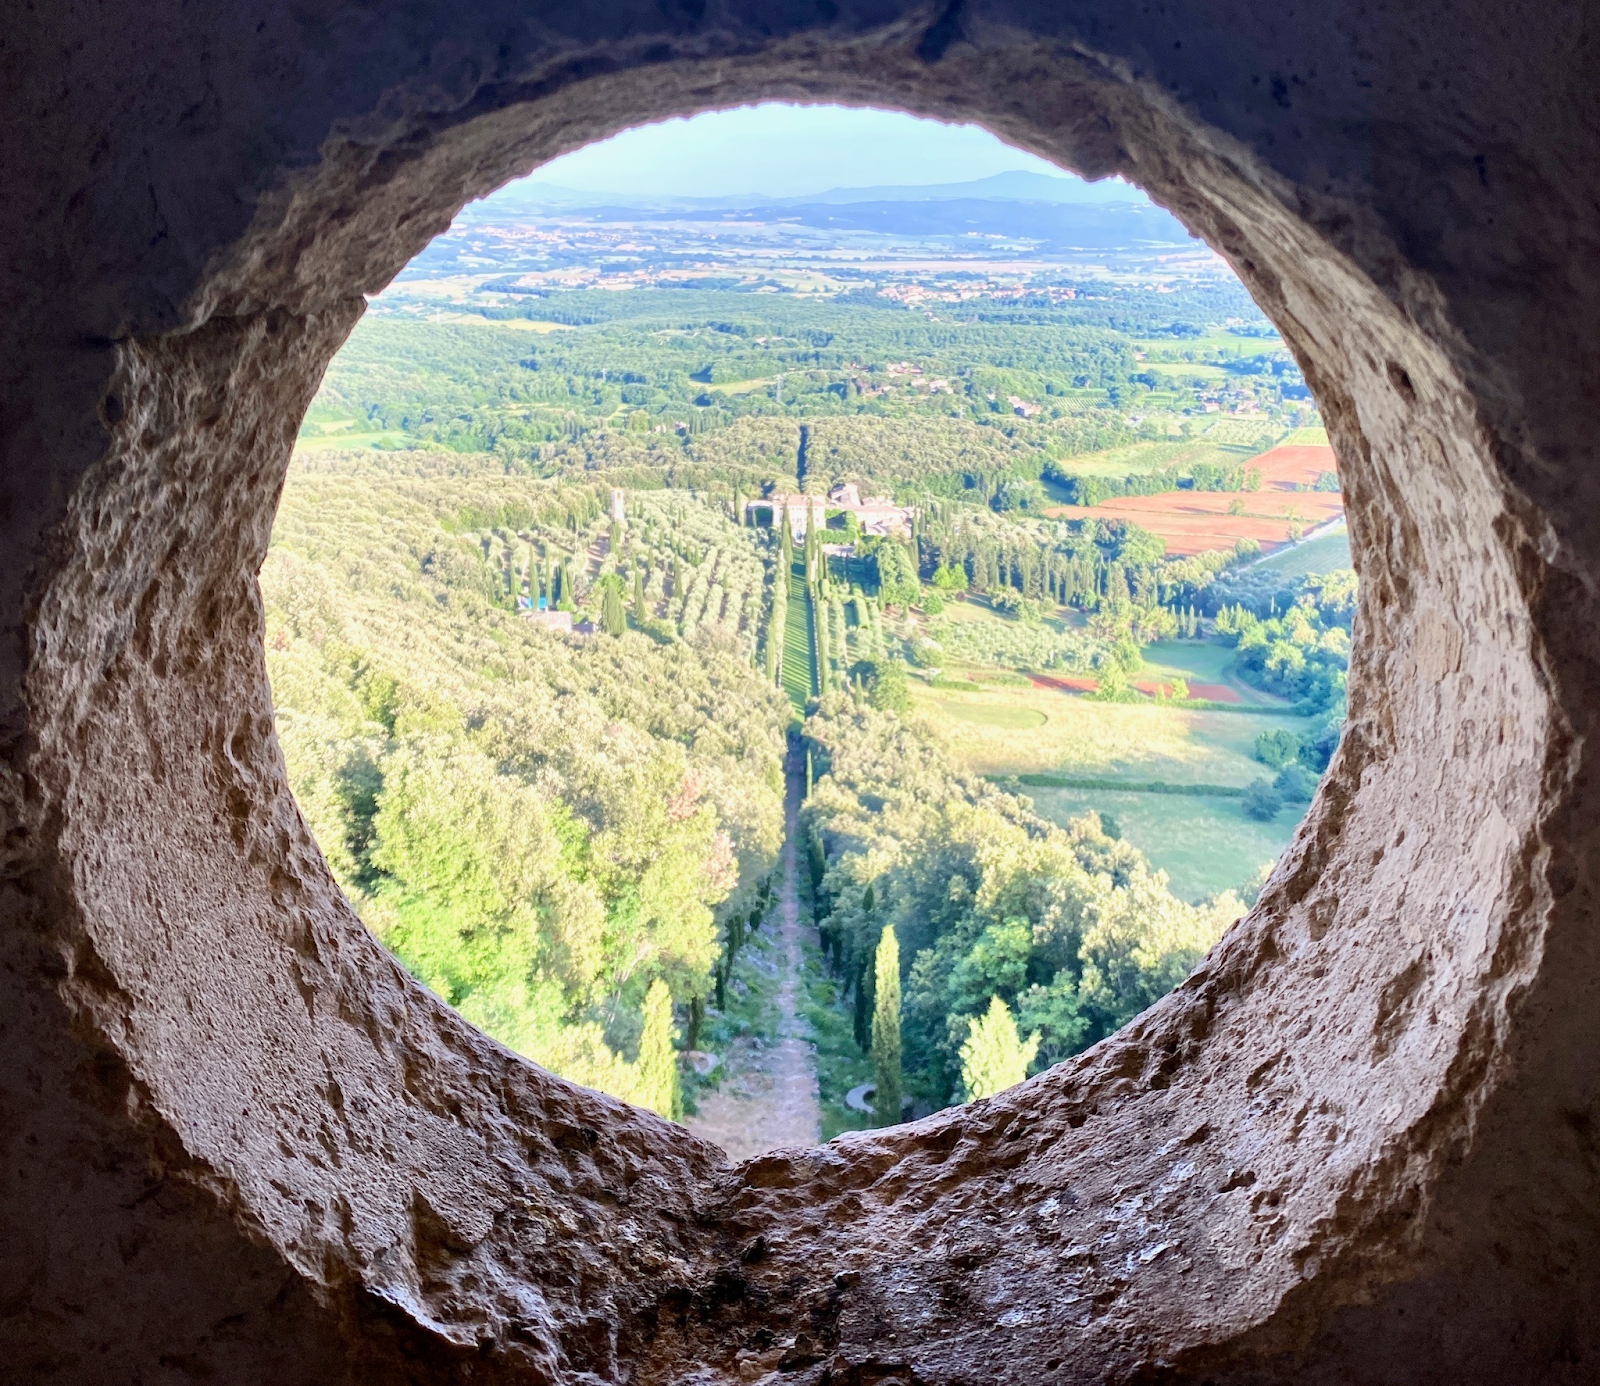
<point x="1295" y="1133"/>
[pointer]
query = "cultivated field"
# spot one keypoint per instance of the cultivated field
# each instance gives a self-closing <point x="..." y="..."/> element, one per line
<point x="1204" y="841"/>
<point x="1196" y="521"/>
<point x="1294" y="464"/>
<point x="1322" y="554"/>
<point x="1153" y="457"/>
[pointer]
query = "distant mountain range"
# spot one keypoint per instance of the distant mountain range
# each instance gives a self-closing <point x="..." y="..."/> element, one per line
<point x="1059" y="213"/>
<point x="528" y="196"/>
<point x="1055" y="226"/>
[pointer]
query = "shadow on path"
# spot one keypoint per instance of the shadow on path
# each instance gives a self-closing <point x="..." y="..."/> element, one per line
<point x="768" y="1096"/>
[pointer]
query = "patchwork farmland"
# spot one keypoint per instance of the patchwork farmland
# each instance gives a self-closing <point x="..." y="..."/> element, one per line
<point x="1285" y="509"/>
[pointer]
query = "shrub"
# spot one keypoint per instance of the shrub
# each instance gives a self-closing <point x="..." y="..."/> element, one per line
<point x="1014" y="604"/>
<point x="994" y="1056"/>
<point x="886" y="685"/>
<point x="1316" y="752"/>
<point x="1277" y="748"/>
<point x="1295" y="783"/>
<point x="1261" y="801"/>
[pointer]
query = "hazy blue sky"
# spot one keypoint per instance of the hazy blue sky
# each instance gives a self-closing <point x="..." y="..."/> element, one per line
<point x="782" y="150"/>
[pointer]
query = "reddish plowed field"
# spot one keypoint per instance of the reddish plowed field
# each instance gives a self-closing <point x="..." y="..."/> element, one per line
<point x="1069" y="684"/>
<point x="1196" y="521"/>
<point x="1283" y="468"/>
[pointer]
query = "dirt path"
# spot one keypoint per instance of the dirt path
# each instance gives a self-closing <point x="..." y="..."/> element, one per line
<point x="768" y="1097"/>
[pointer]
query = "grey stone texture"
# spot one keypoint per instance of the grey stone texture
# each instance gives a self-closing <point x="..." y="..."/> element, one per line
<point x="1360" y="1145"/>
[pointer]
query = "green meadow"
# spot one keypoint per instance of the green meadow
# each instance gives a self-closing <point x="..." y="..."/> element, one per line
<point x="1205" y="842"/>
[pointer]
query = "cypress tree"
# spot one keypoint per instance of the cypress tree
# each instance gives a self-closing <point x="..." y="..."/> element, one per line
<point x="612" y="616"/>
<point x="819" y="623"/>
<point x="886" y="1028"/>
<point x="639" y="612"/>
<point x="862" y="1019"/>
<point x="657" y="1068"/>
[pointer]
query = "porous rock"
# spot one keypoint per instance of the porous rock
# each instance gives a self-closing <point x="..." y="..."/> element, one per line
<point x="1360" y="1144"/>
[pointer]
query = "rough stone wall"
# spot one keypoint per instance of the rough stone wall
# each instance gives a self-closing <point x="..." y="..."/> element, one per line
<point x="1359" y="1145"/>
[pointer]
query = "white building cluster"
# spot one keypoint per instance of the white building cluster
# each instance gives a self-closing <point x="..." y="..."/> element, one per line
<point x="876" y="514"/>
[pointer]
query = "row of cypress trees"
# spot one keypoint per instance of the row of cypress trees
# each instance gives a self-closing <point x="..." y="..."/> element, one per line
<point x="778" y="616"/>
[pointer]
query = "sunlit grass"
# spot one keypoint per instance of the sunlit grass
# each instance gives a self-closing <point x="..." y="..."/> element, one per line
<point x="1082" y="737"/>
<point x="1204" y="844"/>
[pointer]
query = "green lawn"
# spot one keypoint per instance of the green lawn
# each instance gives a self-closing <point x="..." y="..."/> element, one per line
<point x="1186" y="370"/>
<point x="1203" y="841"/>
<point x="1085" y="739"/>
<point x="346" y="439"/>
<point x="799" y="681"/>
<point x="1205" y="845"/>
<point x="1201" y="661"/>
<point x="1159" y="349"/>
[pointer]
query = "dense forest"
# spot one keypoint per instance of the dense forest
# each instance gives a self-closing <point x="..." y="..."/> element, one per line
<point x="1052" y="376"/>
<point x="545" y="829"/>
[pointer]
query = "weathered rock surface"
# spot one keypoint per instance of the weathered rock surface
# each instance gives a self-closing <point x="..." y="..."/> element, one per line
<point x="1360" y="1145"/>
